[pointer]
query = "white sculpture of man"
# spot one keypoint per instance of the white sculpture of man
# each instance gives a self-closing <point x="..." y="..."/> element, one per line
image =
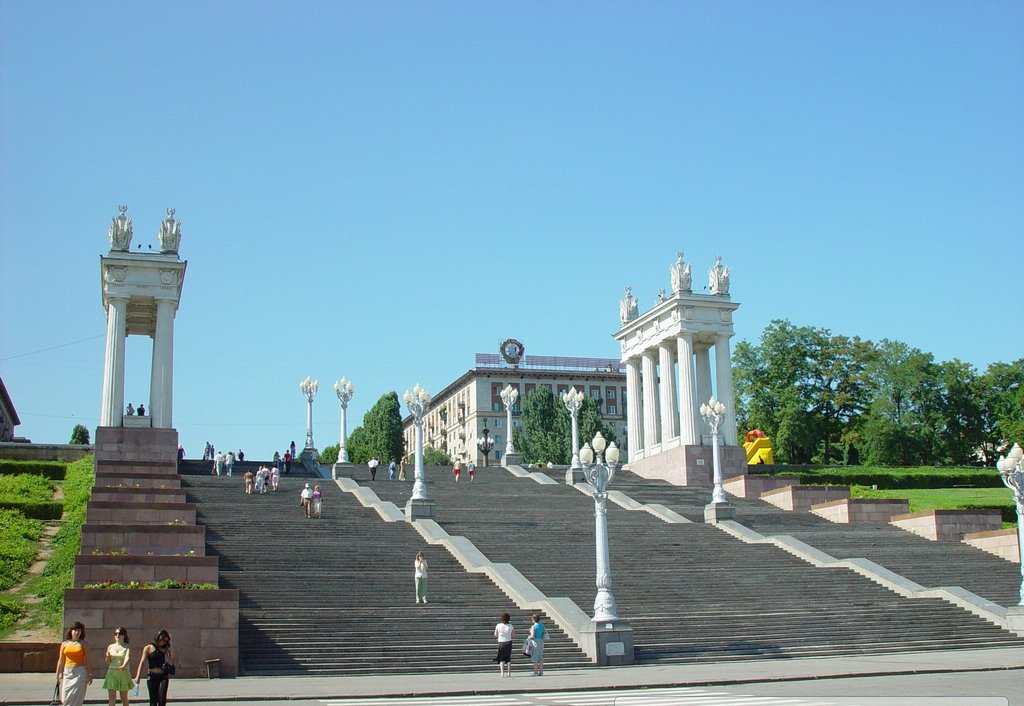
<point x="169" y="236"/>
<point x="121" y="230"/>
<point x="718" y="278"/>
<point x="628" y="306"/>
<point x="681" y="277"/>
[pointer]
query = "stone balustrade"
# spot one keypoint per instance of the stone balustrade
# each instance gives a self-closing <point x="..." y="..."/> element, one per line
<point x="803" y="497"/>
<point x="868" y="510"/>
<point x="948" y="525"/>
<point x="752" y="486"/>
<point x="1001" y="542"/>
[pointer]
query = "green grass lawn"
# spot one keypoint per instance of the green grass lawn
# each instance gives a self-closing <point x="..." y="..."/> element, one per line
<point x="942" y="498"/>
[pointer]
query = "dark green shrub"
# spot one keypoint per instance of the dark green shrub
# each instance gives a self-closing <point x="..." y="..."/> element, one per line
<point x="48" y="510"/>
<point x="54" y="470"/>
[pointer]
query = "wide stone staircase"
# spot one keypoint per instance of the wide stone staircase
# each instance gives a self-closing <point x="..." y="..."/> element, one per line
<point x="691" y="592"/>
<point x="931" y="564"/>
<point x="336" y="595"/>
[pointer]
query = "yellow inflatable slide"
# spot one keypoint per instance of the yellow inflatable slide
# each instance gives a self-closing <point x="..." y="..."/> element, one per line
<point x="759" y="448"/>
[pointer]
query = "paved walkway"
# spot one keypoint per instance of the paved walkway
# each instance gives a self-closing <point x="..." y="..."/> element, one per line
<point x="25" y="689"/>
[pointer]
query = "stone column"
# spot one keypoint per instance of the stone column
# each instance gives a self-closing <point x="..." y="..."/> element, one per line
<point x="161" y="376"/>
<point x="702" y="379"/>
<point x="650" y="401"/>
<point x="687" y="393"/>
<point x="723" y="386"/>
<point x="112" y="407"/>
<point x="669" y="416"/>
<point x="634" y="414"/>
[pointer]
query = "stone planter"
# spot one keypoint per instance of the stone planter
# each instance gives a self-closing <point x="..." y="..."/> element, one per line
<point x="94" y="568"/>
<point x="203" y="624"/>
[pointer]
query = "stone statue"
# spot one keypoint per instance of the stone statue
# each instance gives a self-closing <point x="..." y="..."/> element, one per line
<point x="121" y="231"/>
<point x="681" y="277"/>
<point x="661" y="295"/>
<point x="628" y="306"/>
<point x="169" y="236"/>
<point x="718" y="278"/>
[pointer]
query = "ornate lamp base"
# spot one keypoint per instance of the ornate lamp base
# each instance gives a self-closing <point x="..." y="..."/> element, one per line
<point x="1015" y="619"/>
<point x="717" y="512"/>
<point x="510" y="460"/>
<point x="419" y="509"/>
<point x="609" y="644"/>
<point x="341" y="469"/>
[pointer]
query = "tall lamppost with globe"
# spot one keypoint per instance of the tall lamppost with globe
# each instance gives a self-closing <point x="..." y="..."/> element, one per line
<point x="719" y="508"/>
<point x="614" y="639"/>
<point x="485" y="443"/>
<point x="573" y="401"/>
<point x="419" y="505"/>
<point x="509" y="395"/>
<point x="345" y="390"/>
<point x="309" y="386"/>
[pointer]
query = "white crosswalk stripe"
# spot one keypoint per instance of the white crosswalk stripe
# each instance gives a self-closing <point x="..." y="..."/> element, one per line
<point x="619" y="697"/>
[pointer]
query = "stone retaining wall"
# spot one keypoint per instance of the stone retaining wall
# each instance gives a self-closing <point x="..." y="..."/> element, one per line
<point x="868" y="510"/>
<point x="139" y="495"/>
<point x="137" y="480"/>
<point x="948" y="525"/>
<point x="100" y="512"/>
<point x="1001" y="542"/>
<point x="203" y="624"/>
<point x="95" y="568"/>
<point x="803" y="497"/>
<point x="163" y="540"/>
<point x="753" y="486"/>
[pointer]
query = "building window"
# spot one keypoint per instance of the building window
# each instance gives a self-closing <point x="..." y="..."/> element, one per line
<point x="499" y="423"/>
<point x="611" y="409"/>
<point x="497" y="406"/>
<point x="610" y="394"/>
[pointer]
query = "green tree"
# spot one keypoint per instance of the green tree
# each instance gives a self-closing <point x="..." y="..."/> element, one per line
<point x="79" y="435"/>
<point x="435" y="457"/>
<point x="545" y="433"/>
<point x="329" y="456"/>
<point x="1002" y="406"/>
<point x="358" y="446"/>
<point x="382" y="426"/>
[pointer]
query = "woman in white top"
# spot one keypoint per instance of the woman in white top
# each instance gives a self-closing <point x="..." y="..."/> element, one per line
<point x="420" y="566"/>
<point x="504" y="632"/>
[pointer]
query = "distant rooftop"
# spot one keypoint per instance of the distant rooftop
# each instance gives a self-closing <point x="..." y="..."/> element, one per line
<point x="552" y="362"/>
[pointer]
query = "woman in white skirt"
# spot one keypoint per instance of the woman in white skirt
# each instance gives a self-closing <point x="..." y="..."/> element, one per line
<point x="73" y="667"/>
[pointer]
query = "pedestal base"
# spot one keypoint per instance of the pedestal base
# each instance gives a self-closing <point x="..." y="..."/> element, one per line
<point x="309" y="454"/>
<point x="510" y="460"/>
<point x="419" y="509"/>
<point x="341" y="470"/>
<point x="716" y="512"/>
<point x="1015" y="619"/>
<point x="574" y="476"/>
<point x="611" y="643"/>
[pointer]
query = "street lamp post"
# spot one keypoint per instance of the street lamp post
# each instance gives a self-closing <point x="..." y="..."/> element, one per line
<point x="509" y="395"/>
<point x="573" y="400"/>
<point x="1011" y="470"/>
<point x="719" y="508"/>
<point x="419" y="505"/>
<point x="610" y="637"/>
<point x="309" y="386"/>
<point x="344" y="389"/>
<point x="485" y="443"/>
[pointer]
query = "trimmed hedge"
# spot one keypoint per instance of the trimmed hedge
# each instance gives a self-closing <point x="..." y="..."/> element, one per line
<point x="48" y="510"/>
<point x="54" y="470"/>
<point x="891" y="478"/>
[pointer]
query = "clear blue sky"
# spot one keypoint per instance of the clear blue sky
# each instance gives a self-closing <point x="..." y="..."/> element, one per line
<point x="381" y="189"/>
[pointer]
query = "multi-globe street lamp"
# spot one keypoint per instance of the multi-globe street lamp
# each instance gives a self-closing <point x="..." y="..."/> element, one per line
<point x="485" y="443"/>
<point x="599" y="474"/>
<point x="573" y="401"/>
<point x="309" y="387"/>
<point x="1011" y="470"/>
<point x="419" y="505"/>
<point x="719" y="508"/>
<point x="344" y="389"/>
<point x="509" y="395"/>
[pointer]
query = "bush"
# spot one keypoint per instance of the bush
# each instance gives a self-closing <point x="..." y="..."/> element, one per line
<point x="49" y="510"/>
<point x="893" y="478"/>
<point x="25" y="486"/>
<point x="18" y="539"/>
<point x="59" y="571"/>
<point x="54" y="470"/>
<point x="10" y="611"/>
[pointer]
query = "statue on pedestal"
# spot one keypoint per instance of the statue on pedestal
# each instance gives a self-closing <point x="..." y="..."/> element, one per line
<point x="681" y="277"/>
<point x="169" y="236"/>
<point x="718" y="278"/>
<point x="628" y="306"/>
<point x="121" y="231"/>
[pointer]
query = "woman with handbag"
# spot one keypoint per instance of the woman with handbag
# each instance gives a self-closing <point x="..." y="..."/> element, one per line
<point x="159" y="658"/>
<point x="537" y="632"/>
<point x="73" y="667"/>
